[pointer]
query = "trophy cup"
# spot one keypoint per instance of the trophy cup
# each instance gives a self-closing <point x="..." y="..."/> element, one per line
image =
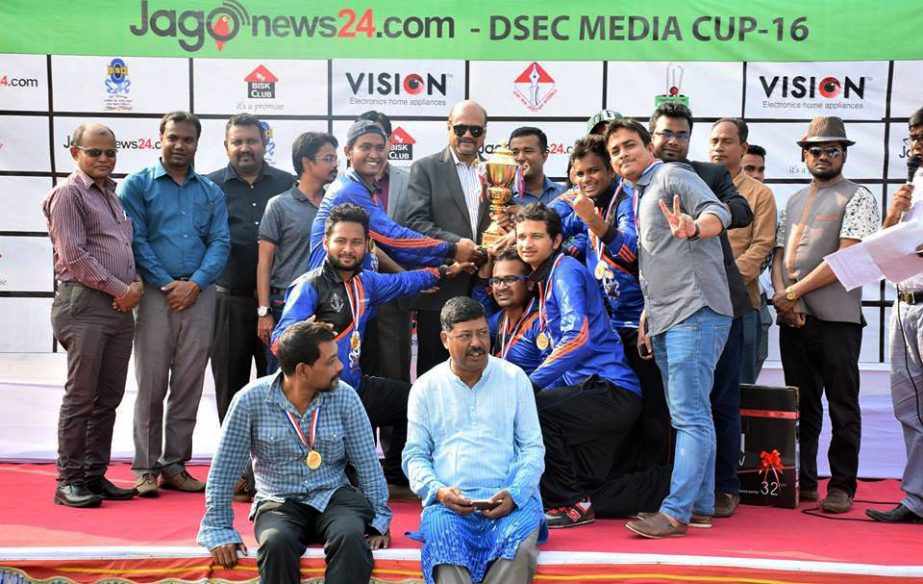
<point x="499" y="176"/>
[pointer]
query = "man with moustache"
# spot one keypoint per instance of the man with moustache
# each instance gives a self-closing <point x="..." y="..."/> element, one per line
<point x="474" y="456"/>
<point x="529" y="146"/>
<point x="181" y="244"/>
<point x="344" y="295"/>
<point x="754" y="162"/>
<point x="97" y="288"/>
<point x="588" y="398"/>
<point x="752" y="244"/>
<point x="248" y="182"/>
<point x="301" y="427"/>
<point x="688" y="312"/>
<point x="445" y="201"/>
<point x="671" y="128"/>
<point x="285" y="229"/>
<point x="821" y="333"/>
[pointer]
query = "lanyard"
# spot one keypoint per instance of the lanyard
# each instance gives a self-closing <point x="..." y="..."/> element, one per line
<point x="504" y="327"/>
<point x="291" y="418"/>
<point x="355" y="299"/>
<point x="545" y="291"/>
<point x="597" y="241"/>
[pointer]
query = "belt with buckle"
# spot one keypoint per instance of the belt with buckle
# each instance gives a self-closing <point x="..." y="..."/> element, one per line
<point x="911" y="297"/>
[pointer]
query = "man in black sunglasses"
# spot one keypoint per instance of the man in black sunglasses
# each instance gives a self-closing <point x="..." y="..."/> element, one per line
<point x="444" y="202"/>
<point x="821" y="322"/>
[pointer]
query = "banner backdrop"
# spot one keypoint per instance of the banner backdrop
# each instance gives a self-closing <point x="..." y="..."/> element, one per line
<point x="310" y="66"/>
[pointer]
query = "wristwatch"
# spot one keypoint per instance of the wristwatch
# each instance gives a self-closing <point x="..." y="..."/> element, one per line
<point x="443" y="270"/>
<point x="790" y="294"/>
<point x="695" y="236"/>
<point x="262" y="311"/>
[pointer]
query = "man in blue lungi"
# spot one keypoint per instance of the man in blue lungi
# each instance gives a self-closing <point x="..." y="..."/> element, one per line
<point x="474" y="455"/>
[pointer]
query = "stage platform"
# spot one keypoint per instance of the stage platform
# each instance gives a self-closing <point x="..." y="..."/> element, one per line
<point x="153" y="540"/>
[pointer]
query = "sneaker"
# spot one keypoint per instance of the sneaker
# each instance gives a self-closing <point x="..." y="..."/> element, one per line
<point x="146" y="485"/>
<point x="182" y="481"/>
<point x="698" y="520"/>
<point x="657" y="526"/>
<point x="579" y="513"/>
<point x="836" y="501"/>
<point x="726" y="504"/>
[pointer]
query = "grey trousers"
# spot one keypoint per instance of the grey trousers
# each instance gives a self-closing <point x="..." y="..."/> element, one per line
<point x="171" y="351"/>
<point x="519" y="570"/>
<point x="906" y="343"/>
<point x="97" y="339"/>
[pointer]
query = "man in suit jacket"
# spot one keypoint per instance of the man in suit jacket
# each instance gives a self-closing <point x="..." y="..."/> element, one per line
<point x="444" y="202"/>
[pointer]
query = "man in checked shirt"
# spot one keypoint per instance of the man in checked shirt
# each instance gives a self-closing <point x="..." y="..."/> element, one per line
<point x="301" y="427"/>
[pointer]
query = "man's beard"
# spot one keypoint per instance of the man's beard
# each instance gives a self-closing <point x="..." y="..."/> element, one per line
<point x="338" y="265"/>
<point x="827" y="174"/>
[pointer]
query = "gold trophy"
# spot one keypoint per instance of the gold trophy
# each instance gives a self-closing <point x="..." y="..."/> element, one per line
<point x="500" y="173"/>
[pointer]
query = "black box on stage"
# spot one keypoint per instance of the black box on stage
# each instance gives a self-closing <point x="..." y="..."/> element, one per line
<point x="769" y="446"/>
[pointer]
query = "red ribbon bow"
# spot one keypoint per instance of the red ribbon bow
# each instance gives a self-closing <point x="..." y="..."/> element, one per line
<point x="771" y="460"/>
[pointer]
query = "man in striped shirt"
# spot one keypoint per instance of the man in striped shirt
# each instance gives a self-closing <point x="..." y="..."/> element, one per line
<point x="98" y="286"/>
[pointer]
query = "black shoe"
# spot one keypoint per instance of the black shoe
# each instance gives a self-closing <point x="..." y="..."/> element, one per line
<point x="899" y="514"/>
<point x="726" y="504"/>
<point x="76" y="495"/>
<point x="104" y="488"/>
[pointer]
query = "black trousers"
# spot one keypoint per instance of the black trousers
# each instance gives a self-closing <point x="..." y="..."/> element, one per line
<point x="430" y="351"/>
<point x="653" y="431"/>
<point x="725" y="410"/>
<point x="823" y="356"/>
<point x="235" y="347"/>
<point x="284" y="530"/>
<point x="626" y="495"/>
<point x="385" y="402"/>
<point x="97" y="339"/>
<point x="585" y="429"/>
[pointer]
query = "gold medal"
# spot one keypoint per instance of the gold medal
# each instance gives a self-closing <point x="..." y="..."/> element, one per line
<point x="541" y="341"/>
<point x="600" y="271"/>
<point x="313" y="460"/>
<point x="355" y="341"/>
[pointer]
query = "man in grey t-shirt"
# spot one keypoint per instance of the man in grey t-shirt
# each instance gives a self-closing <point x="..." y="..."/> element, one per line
<point x="285" y="230"/>
<point x="687" y="313"/>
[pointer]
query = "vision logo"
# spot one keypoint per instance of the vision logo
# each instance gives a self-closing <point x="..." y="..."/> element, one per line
<point x="396" y="83"/>
<point x="117" y="86"/>
<point x="802" y="87"/>
<point x="674" y="86"/>
<point x="401" y="145"/>
<point x="190" y="27"/>
<point x="261" y="83"/>
<point x="534" y="87"/>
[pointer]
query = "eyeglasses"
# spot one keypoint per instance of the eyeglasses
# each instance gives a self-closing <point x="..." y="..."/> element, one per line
<point x="832" y="152"/>
<point x="506" y="280"/>
<point x="668" y="135"/>
<point x="913" y="138"/>
<point x="328" y="159"/>
<point x="461" y="129"/>
<point x="467" y="337"/>
<point x="97" y="152"/>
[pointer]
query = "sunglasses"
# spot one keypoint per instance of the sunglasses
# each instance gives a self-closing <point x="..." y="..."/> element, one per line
<point x="832" y="152"/>
<point x="913" y="138"/>
<point x="96" y="152"/>
<point x="506" y="280"/>
<point x="461" y="129"/>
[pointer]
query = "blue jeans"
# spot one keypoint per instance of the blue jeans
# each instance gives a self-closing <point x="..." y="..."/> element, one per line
<point x="687" y="354"/>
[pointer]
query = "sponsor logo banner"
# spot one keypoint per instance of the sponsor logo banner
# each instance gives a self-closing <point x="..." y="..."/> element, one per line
<point x="414" y="88"/>
<point x="23" y="82"/>
<point x="536" y="88"/>
<point x="635" y="89"/>
<point x="266" y="87"/>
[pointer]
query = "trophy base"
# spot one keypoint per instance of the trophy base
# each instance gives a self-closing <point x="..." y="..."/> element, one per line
<point x="488" y="238"/>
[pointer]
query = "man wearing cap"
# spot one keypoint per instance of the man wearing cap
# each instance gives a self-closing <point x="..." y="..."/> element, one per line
<point x="821" y="323"/>
<point x="598" y="121"/>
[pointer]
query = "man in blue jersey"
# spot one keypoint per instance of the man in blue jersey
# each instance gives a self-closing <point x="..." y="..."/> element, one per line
<point x="341" y="293"/>
<point x="588" y="398"/>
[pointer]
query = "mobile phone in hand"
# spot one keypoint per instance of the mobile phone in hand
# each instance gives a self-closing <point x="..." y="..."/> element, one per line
<point x="484" y="504"/>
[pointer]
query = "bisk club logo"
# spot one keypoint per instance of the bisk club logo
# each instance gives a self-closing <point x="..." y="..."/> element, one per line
<point x="401" y="145"/>
<point x="270" y="142"/>
<point x="117" y="86"/>
<point x="534" y="87"/>
<point x="190" y="27"/>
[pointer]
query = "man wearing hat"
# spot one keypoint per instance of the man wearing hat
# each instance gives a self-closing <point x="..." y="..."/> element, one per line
<point x="821" y="323"/>
<point x="598" y="121"/>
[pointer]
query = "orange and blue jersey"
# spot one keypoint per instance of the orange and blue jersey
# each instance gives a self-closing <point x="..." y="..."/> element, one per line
<point x="518" y="343"/>
<point x="575" y="322"/>
<point x="323" y="294"/>
<point x="619" y="245"/>
<point x="405" y="246"/>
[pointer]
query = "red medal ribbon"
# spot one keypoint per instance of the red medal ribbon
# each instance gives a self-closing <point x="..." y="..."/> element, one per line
<point x="544" y="292"/>
<point x="308" y="445"/>
<point x="355" y="300"/>
<point x="597" y="241"/>
<point x="504" y="329"/>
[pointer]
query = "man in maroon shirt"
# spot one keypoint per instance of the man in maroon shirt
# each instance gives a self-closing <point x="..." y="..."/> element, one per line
<point x="97" y="288"/>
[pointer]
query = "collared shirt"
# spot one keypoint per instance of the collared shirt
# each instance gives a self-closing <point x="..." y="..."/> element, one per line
<point x="179" y="231"/>
<point x="550" y="190"/>
<point x="91" y="235"/>
<point x="753" y="244"/>
<point x="481" y="439"/>
<point x="246" y="203"/>
<point x="471" y="187"/>
<point x="258" y="424"/>
<point x="678" y="276"/>
<point x="287" y="224"/>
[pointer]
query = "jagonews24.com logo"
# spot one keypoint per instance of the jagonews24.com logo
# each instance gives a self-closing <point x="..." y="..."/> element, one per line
<point x="191" y="27"/>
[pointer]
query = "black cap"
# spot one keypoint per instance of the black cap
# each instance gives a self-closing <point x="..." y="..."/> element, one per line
<point x="361" y="128"/>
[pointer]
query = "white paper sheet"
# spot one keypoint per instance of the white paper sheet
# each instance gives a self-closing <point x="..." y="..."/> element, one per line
<point x="891" y="253"/>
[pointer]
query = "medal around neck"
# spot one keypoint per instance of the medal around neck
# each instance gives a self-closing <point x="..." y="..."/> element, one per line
<point x="541" y="341"/>
<point x="314" y="460"/>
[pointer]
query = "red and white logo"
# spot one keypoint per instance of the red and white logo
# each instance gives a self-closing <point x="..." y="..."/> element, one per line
<point x="401" y="145"/>
<point x="261" y="83"/>
<point x="534" y="87"/>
